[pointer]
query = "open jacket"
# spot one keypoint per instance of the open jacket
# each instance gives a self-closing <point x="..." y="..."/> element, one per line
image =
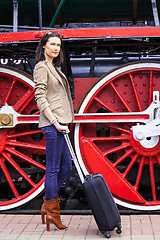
<point x="50" y="92"/>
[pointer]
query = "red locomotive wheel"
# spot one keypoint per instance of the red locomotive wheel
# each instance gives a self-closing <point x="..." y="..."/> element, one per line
<point x="131" y="168"/>
<point x="22" y="146"/>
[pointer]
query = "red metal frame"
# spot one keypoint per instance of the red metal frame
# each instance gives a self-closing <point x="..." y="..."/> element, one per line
<point x="117" y="32"/>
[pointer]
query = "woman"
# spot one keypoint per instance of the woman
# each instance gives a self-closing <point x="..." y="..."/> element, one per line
<point x="54" y="101"/>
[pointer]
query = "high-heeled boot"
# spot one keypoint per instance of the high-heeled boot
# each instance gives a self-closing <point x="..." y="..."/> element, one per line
<point x="44" y="208"/>
<point x="53" y="214"/>
<point x="43" y="211"/>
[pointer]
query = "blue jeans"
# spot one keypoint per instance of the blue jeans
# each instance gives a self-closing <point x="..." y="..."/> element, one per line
<point x="58" y="161"/>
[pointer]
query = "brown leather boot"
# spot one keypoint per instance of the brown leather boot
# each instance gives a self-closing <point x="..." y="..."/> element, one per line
<point x="43" y="210"/>
<point x="53" y="214"/>
<point x="60" y="199"/>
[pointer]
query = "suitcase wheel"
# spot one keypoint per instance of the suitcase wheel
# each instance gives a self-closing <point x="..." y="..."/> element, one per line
<point x="107" y="234"/>
<point x="118" y="230"/>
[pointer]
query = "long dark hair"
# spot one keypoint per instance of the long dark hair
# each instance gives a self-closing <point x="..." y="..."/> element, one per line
<point x="40" y="50"/>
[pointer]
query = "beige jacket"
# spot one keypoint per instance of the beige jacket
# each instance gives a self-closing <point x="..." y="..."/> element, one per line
<point x="50" y="92"/>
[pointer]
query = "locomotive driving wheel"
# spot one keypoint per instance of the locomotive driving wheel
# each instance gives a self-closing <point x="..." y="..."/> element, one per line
<point x="22" y="146"/>
<point x="128" y="160"/>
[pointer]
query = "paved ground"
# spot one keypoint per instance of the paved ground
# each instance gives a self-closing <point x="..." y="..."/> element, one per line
<point x="80" y="227"/>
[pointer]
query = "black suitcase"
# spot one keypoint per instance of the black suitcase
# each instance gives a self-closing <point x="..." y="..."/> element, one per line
<point x="102" y="204"/>
<point x="99" y="198"/>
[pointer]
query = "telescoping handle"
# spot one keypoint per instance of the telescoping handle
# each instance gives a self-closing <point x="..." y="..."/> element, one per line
<point x="75" y="160"/>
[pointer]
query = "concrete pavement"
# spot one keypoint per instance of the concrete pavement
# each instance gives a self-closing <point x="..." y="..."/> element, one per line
<point x="80" y="227"/>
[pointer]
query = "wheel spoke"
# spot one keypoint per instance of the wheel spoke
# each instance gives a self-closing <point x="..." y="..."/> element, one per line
<point x="121" y="147"/>
<point x="139" y="173"/>
<point x="103" y="104"/>
<point x="16" y="135"/>
<point x="24" y="101"/>
<point x="134" y="159"/>
<point x="150" y="86"/>
<point x="7" y="175"/>
<point x="9" y="92"/>
<point x="121" y="98"/>
<point x="135" y="92"/>
<point x="158" y="159"/>
<point x="152" y="178"/>
<point x="24" y="157"/>
<point x="123" y="158"/>
<point x="37" y="112"/>
<point x="15" y="165"/>
<point x="121" y="129"/>
<point x="25" y="145"/>
<point x="112" y="138"/>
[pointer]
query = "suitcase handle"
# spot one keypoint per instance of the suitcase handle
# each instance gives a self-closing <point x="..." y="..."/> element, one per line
<point x="74" y="158"/>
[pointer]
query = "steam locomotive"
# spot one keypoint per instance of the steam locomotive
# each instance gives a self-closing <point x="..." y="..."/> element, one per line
<point x="112" y="53"/>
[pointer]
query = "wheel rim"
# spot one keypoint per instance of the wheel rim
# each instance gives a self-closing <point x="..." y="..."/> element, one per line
<point x="131" y="169"/>
<point x="22" y="148"/>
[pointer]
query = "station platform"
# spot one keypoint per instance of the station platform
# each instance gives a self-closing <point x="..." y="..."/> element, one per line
<point x="80" y="227"/>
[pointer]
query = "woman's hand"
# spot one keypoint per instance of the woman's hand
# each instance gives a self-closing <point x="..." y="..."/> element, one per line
<point x="48" y="113"/>
<point x="61" y="128"/>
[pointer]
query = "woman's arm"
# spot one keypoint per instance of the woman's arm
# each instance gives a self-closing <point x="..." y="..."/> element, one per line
<point x="48" y="113"/>
<point x="40" y="79"/>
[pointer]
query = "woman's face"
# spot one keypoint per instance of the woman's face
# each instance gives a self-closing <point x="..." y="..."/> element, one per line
<point x="52" y="48"/>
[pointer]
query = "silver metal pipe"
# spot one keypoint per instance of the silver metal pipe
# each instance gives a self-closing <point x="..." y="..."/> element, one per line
<point x="15" y="15"/>
<point x="40" y="14"/>
<point x="155" y="13"/>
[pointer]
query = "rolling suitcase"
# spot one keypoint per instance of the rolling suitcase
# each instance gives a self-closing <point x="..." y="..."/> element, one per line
<point x="99" y="198"/>
<point x="102" y="204"/>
